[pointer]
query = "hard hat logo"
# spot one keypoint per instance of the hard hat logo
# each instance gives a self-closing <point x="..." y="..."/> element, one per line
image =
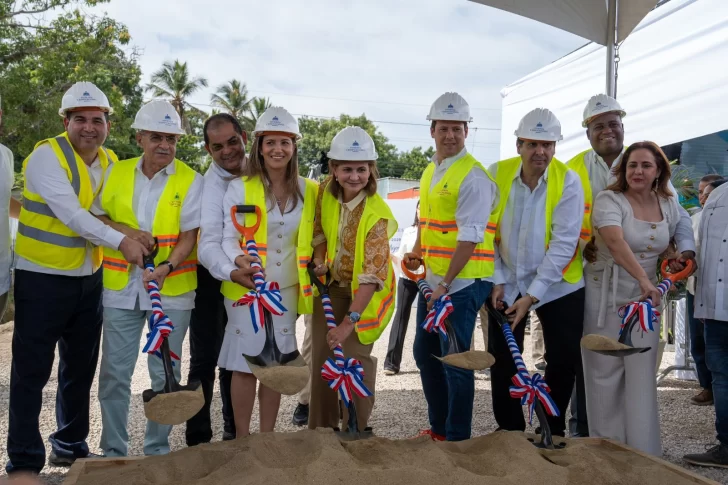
<point x="275" y="122"/>
<point x="355" y="147"/>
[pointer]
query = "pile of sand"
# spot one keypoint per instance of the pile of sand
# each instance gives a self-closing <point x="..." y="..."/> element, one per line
<point x="318" y="457"/>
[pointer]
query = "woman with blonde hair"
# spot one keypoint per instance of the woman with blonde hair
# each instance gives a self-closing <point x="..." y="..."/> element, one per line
<point x="270" y="181"/>
<point x="634" y="218"/>
<point x="351" y="239"/>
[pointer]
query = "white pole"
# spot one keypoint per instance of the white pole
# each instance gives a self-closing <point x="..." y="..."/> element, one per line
<point x="613" y="5"/>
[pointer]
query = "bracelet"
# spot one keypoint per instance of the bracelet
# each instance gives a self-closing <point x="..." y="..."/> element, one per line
<point x="445" y="285"/>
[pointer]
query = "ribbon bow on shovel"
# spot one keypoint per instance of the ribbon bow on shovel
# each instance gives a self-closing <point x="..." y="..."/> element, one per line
<point x="345" y="375"/>
<point x="160" y="326"/>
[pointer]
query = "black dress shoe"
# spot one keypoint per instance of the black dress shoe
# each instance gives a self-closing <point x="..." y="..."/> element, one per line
<point x="300" y="415"/>
<point x="716" y="456"/>
<point x="57" y="460"/>
<point x="228" y="435"/>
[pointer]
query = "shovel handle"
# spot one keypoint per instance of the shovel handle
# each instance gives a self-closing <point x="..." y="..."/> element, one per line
<point x="247" y="231"/>
<point x="323" y="288"/>
<point x="414" y="276"/>
<point x="680" y="275"/>
<point x="149" y="258"/>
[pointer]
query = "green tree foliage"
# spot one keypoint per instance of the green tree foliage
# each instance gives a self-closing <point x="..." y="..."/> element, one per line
<point x="174" y="81"/>
<point x="318" y="133"/>
<point x="256" y="108"/>
<point x="40" y="60"/>
<point x="232" y="98"/>
<point x="415" y="161"/>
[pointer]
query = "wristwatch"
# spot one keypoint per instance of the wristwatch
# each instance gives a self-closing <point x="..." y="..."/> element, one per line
<point x="354" y="317"/>
<point x="445" y="285"/>
<point x="534" y="300"/>
<point x="168" y="263"/>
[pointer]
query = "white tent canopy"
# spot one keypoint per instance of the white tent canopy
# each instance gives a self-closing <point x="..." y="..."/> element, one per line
<point x="673" y="80"/>
<point x="585" y="18"/>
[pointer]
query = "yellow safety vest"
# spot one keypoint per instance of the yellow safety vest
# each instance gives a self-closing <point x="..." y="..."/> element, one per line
<point x="255" y="195"/>
<point x="577" y="165"/>
<point x="507" y="170"/>
<point x="378" y="313"/>
<point x="117" y="203"/>
<point x="439" y="230"/>
<point x="42" y="238"/>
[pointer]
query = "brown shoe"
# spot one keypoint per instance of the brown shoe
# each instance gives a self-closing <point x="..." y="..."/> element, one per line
<point x="704" y="398"/>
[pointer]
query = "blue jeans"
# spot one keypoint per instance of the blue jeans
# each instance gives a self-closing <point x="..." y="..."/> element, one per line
<point x="449" y="391"/>
<point x="697" y="344"/>
<point x="716" y="356"/>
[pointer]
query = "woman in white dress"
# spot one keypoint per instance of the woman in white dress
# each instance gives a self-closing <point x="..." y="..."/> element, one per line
<point x="270" y="180"/>
<point x="635" y="219"/>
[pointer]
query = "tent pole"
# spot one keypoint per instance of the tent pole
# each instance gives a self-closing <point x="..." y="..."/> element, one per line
<point x="612" y="48"/>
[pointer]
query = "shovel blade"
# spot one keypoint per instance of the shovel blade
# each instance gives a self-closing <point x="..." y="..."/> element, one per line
<point x="470" y="360"/>
<point x="608" y="346"/>
<point x="176" y="407"/>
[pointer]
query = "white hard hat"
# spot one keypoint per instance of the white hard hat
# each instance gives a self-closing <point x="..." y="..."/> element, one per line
<point x="539" y="124"/>
<point x="84" y="95"/>
<point x="600" y="104"/>
<point x="277" y="119"/>
<point x="450" y="107"/>
<point x="352" y="144"/>
<point x="159" y="116"/>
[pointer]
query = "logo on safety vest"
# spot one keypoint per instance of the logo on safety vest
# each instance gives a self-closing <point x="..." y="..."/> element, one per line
<point x="176" y="202"/>
<point x="443" y="191"/>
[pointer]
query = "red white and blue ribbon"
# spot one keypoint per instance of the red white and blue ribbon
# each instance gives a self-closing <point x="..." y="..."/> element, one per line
<point x="435" y="319"/>
<point x="643" y="310"/>
<point x="343" y="375"/>
<point x="526" y="388"/>
<point x="160" y="326"/>
<point x="265" y="296"/>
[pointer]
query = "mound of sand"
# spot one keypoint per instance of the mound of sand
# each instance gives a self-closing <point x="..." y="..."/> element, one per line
<point x="318" y="457"/>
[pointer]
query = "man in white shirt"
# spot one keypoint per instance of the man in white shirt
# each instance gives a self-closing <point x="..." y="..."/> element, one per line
<point x="154" y="199"/>
<point x="541" y="204"/>
<point x="57" y="286"/>
<point x="697" y="338"/>
<point x="596" y="168"/>
<point x="455" y="240"/>
<point x="711" y="305"/>
<point x="225" y="142"/>
<point x="9" y="207"/>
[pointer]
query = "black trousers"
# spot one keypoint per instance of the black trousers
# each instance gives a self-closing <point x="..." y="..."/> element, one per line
<point x="207" y="329"/>
<point x="52" y="310"/>
<point x="406" y="293"/>
<point x="563" y="323"/>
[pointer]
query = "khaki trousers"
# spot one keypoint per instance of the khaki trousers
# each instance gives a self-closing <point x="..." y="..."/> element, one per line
<point x="324" y="402"/>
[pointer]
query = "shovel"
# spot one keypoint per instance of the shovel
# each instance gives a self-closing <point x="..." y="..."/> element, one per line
<point x="286" y="373"/>
<point x="532" y="390"/>
<point x="454" y="357"/>
<point x="344" y="375"/>
<point x="635" y="313"/>
<point x="175" y="404"/>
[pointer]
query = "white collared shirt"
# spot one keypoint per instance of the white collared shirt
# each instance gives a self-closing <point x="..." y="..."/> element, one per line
<point x="477" y="198"/>
<point x="280" y="265"/>
<point x="147" y="193"/>
<point x="6" y="187"/>
<point x="711" y="293"/>
<point x="45" y="176"/>
<point x="525" y="265"/>
<point x="209" y="251"/>
<point x="601" y="176"/>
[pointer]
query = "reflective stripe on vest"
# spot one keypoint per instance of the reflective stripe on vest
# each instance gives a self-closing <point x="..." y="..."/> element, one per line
<point x="507" y="171"/>
<point x="378" y="313"/>
<point x="255" y="195"/>
<point x="117" y="203"/>
<point x="578" y="165"/>
<point x="42" y="238"/>
<point x="439" y="229"/>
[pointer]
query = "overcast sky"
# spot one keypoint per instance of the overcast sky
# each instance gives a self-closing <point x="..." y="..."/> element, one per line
<point x="388" y="59"/>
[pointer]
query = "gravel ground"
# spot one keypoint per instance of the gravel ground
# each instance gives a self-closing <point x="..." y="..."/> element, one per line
<point x="399" y="413"/>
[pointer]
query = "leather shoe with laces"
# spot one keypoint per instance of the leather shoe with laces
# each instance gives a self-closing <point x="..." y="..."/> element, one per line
<point x="714" y="456"/>
<point x="704" y="398"/>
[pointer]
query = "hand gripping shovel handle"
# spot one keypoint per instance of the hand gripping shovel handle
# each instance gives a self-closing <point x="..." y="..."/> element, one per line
<point x="248" y="233"/>
<point x="530" y="390"/>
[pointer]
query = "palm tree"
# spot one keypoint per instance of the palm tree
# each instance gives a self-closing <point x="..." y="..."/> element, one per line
<point x="173" y="81"/>
<point x="256" y="108"/>
<point x="232" y="98"/>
